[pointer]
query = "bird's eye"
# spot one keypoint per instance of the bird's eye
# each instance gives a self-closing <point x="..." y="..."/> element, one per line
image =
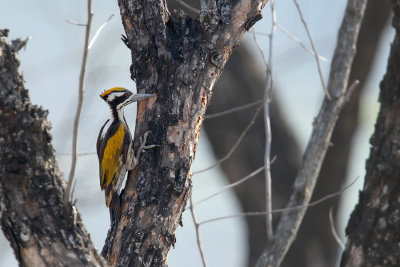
<point x="127" y="94"/>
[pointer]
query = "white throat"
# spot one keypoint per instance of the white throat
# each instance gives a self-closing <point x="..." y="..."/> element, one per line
<point x="120" y="114"/>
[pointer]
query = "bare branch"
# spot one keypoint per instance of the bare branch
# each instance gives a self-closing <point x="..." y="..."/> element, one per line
<point x="232" y="185"/>
<point x="263" y="213"/>
<point x="334" y="233"/>
<point x="320" y="138"/>
<point x="235" y="109"/>
<point x="98" y="31"/>
<point x="75" y="23"/>
<point x="299" y="42"/>
<point x="267" y="124"/>
<point x="68" y="196"/>
<point x="229" y="154"/>
<point x="294" y="38"/>
<point x="268" y="132"/>
<point x="313" y="48"/>
<point x="196" y="226"/>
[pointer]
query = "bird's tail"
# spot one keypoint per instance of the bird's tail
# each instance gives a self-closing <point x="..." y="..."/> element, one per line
<point x="114" y="204"/>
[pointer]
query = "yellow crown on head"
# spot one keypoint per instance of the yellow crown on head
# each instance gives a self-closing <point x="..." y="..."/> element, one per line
<point x="114" y="89"/>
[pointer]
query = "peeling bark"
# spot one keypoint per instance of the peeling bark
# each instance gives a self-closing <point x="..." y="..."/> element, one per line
<point x="42" y="230"/>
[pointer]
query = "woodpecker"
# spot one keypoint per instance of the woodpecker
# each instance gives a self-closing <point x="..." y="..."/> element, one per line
<point x="114" y="147"/>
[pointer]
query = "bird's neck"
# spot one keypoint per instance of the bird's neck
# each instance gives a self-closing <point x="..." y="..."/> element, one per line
<point x="117" y="114"/>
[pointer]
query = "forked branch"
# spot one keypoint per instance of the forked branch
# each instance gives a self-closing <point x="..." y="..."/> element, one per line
<point x="320" y="138"/>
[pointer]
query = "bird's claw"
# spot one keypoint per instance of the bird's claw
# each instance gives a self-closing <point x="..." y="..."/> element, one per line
<point x="143" y="141"/>
<point x="143" y="146"/>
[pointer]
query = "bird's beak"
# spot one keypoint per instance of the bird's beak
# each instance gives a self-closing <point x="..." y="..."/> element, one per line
<point x="139" y="97"/>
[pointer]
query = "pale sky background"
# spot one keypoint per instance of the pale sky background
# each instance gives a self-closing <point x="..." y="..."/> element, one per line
<point x="51" y="64"/>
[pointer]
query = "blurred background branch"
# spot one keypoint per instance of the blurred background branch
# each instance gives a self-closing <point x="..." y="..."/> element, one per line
<point x="68" y="195"/>
<point x="242" y="83"/>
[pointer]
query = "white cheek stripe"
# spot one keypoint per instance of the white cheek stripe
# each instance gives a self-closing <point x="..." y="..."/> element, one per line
<point x="113" y="95"/>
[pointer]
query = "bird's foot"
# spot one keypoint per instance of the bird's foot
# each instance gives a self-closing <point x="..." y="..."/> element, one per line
<point x="142" y="147"/>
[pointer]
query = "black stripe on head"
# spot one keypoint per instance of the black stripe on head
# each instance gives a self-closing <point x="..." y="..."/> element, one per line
<point x="116" y="98"/>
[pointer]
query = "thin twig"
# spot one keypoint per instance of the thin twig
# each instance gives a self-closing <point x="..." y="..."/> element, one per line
<point x="268" y="132"/>
<point x="232" y="185"/>
<point x="240" y="181"/>
<point x="313" y="48"/>
<point x="196" y="226"/>
<point x="299" y="42"/>
<point x="267" y="124"/>
<point x="232" y="110"/>
<point x="294" y="38"/>
<point x="353" y="85"/>
<point x="98" y="31"/>
<point x="319" y="141"/>
<point x="75" y="23"/>
<point x="333" y="228"/>
<point x="262" y="213"/>
<point x="68" y="195"/>
<point x="229" y="154"/>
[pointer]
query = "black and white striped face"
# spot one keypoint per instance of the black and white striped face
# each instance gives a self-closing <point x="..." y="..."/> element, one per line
<point x="118" y="97"/>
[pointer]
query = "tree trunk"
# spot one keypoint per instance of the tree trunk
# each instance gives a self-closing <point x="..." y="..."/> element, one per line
<point x="319" y="141"/>
<point x="42" y="229"/>
<point x="315" y="245"/>
<point x="179" y="59"/>
<point x="373" y="230"/>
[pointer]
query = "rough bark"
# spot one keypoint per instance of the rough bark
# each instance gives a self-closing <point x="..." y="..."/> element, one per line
<point x="373" y="230"/>
<point x="42" y="230"/>
<point x="179" y="59"/>
<point x="315" y="245"/>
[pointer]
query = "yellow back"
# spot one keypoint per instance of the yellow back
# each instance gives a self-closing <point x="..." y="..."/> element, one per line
<point x="110" y="166"/>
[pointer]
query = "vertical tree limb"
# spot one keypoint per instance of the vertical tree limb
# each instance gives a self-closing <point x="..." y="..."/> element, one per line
<point x="373" y="233"/>
<point x="41" y="229"/>
<point x="179" y="59"/>
<point x="315" y="245"/>
<point x="68" y="195"/>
